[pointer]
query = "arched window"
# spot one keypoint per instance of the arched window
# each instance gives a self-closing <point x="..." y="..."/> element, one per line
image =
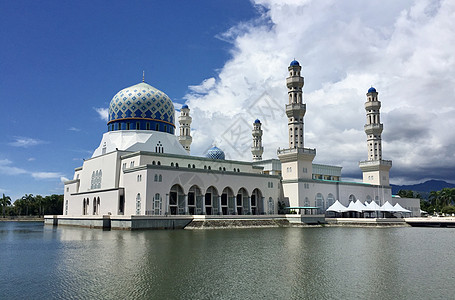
<point x="159" y="163"/>
<point x="352" y="198"/>
<point x="94" y="206"/>
<point x="160" y="178"/>
<point x="330" y="200"/>
<point x="176" y="165"/>
<point x="320" y="201"/>
<point x="156" y="177"/>
<point x="172" y="164"/>
<point x="194" y="166"/>
<point x="157" y="205"/>
<point x="84" y="205"/>
<point x="189" y="165"/>
<point x="153" y="162"/>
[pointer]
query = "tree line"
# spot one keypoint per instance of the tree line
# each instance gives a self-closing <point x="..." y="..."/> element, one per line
<point x="32" y="205"/>
<point x="442" y="201"/>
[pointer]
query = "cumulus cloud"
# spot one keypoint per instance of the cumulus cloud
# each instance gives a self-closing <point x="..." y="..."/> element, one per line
<point x="344" y="47"/>
<point x="25" y="142"/>
<point x="102" y="112"/>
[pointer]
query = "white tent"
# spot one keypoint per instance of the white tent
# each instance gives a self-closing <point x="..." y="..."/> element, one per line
<point x="388" y="207"/>
<point x="373" y="206"/>
<point x="399" y="208"/>
<point x="337" y="207"/>
<point x="356" y="206"/>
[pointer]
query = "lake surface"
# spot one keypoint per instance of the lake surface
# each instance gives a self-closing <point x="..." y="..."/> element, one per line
<point x="38" y="262"/>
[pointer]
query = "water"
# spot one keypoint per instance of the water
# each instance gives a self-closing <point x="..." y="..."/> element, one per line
<point x="38" y="262"/>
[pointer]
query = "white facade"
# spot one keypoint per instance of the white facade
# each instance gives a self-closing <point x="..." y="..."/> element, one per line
<point x="142" y="168"/>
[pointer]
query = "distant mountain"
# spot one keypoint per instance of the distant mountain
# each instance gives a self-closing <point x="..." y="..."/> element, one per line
<point x="423" y="188"/>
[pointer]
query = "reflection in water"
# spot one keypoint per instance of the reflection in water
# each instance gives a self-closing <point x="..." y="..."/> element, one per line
<point x="272" y="263"/>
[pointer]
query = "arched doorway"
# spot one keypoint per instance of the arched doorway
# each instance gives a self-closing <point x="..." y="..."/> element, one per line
<point x="211" y="201"/>
<point x="257" y="203"/>
<point x="228" y="202"/>
<point x="194" y="200"/>
<point x="242" y="202"/>
<point x="176" y="200"/>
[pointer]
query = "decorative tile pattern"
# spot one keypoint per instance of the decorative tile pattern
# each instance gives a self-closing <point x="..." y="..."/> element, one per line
<point x="215" y="153"/>
<point x="141" y="101"/>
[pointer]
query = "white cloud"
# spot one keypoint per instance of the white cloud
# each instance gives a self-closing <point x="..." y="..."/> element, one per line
<point x="102" y="112"/>
<point x="46" y="175"/>
<point x="25" y="142"/>
<point x="76" y="129"/>
<point x="7" y="168"/>
<point x="403" y="48"/>
<point x="63" y="179"/>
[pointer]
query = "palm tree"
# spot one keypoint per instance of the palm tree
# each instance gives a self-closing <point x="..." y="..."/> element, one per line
<point x="5" y="201"/>
<point x="28" y="200"/>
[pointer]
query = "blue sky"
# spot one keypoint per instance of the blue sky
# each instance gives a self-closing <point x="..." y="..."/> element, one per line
<point x="61" y="62"/>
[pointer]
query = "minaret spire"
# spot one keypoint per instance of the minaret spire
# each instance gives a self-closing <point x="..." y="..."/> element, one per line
<point x="257" y="148"/>
<point x="375" y="169"/>
<point x="185" y="119"/>
<point x="143" y="76"/>
<point x="296" y="109"/>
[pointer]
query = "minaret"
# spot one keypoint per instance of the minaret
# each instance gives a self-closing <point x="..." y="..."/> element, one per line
<point x="296" y="109"/>
<point x="185" y="121"/>
<point x="296" y="161"/>
<point x="375" y="170"/>
<point x="257" y="148"/>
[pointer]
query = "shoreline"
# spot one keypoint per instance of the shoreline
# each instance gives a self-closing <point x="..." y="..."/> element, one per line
<point x="21" y="219"/>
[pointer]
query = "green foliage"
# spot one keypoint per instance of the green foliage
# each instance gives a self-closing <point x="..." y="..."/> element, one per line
<point x="448" y="209"/>
<point x="442" y="199"/>
<point x="29" y="205"/>
<point x="5" y="201"/>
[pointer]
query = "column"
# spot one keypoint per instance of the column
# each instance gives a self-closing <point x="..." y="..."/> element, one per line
<point x="263" y="212"/>
<point x="235" y="205"/>
<point x="220" y="211"/>
<point x="203" y="205"/>
<point x="185" y="209"/>
<point x="166" y="205"/>
<point x="249" y="206"/>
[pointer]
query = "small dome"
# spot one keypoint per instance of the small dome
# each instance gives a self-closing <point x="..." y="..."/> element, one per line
<point x="185" y="106"/>
<point x="215" y="153"/>
<point x="257" y="121"/>
<point x="371" y="90"/>
<point x="294" y="63"/>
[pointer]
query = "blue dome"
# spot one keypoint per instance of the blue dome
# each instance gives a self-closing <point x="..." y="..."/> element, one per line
<point x="185" y="106"/>
<point x="371" y="90"/>
<point x="215" y="153"/>
<point x="142" y="107"/>
<point x="294" y="63"/>
<point x="257" y="121"/>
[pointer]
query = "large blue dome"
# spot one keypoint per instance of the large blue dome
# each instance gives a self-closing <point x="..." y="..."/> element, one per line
<point x="371" y="90"/>
<point x="141" y="107"/>
<point x="215" y="153"/>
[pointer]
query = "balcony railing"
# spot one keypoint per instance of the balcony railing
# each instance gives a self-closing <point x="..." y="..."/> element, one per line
<point x="376" y="162"/>
<point x="373" y="127"/>
<point x="295" y="106"/>
<point x="296" y="150"/>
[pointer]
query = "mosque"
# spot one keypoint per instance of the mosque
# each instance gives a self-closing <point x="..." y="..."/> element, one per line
<point x="142" y="169"/>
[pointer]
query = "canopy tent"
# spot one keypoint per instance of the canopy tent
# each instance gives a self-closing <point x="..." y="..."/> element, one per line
<point x="399" y="208"/>
<point x="356" y="206"/>
<point x="337" y="207"/>
<point x="373" y="206"/>
<point x="388" y="207"/>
